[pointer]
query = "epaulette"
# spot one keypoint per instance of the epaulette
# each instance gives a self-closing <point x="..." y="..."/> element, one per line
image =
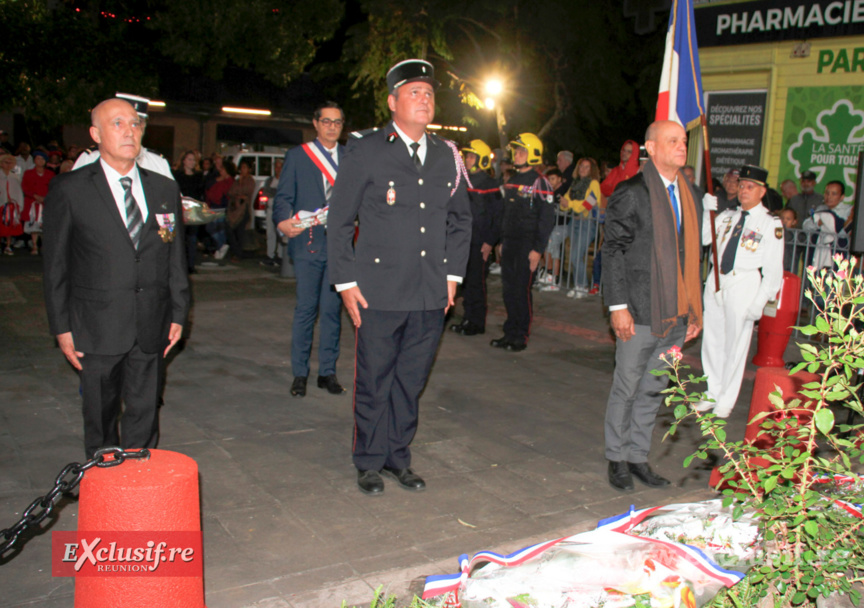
<point x="363" y="133"/>
<point x="154" y="152"/>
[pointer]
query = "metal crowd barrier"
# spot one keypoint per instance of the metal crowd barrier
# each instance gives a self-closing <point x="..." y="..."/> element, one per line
<point x="574" y="249"/>
<point x="805" y="248"/>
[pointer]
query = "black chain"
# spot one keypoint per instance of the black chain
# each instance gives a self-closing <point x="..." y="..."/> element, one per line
<point x="66" y="481"/>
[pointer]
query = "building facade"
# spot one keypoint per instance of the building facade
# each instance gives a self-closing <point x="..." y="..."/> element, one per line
<point x="783" y="85"/>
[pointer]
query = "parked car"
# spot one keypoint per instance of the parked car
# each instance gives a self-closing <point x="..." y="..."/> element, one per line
<point x="263" y="200"/>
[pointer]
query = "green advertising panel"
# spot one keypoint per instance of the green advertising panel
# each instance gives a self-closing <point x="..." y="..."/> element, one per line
<point x="823" y="132"/>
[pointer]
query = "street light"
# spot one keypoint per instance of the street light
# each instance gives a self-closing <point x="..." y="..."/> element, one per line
<point x="494" y="87"/>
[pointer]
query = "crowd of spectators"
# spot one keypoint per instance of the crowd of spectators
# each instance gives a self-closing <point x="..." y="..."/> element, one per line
<point x="24" y="178"/>
<point x="817" y="225"/>
<point x="26" y="173"/>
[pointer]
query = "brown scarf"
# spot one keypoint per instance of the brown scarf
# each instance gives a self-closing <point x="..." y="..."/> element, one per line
<point x="673" y="294"/>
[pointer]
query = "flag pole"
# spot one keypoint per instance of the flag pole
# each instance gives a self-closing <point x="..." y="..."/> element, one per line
<point x="710" y="186"/>
<point x="684" y="103"/>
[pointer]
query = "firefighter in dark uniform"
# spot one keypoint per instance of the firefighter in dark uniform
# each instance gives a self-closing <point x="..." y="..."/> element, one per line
<point x="485" y="196"/>
<point x="529" y="216"/>
<point x="408" y="189"/>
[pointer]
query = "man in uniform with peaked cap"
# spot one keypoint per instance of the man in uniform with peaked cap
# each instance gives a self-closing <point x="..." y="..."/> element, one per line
<point x="407" y="187"/>
<point x="750" y="252"/>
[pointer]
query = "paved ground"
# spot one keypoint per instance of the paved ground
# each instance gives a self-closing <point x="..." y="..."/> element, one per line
<point x="511" y="446"/>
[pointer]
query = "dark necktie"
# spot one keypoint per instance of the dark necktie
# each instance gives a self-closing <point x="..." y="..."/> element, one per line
<point x="728" y="261"/>
<point x="416" y="157"/>
<point x="328" y="189"/>
<point x="134" y="219"/>
<point x="674" y="201"/>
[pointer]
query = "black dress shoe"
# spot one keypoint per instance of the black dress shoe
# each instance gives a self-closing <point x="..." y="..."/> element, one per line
<point x="331" y="384"/>
<point x="471" y="329"/>
<point x="457" y="327"/>
<point x="515" y="347"/>
<point x="499" y="342"/>
<point x="370" y="483"/>
<point x="643" y="473"/>
<point x="619" y="476"/>
<point x="406" y="478"/>
<point x="298" y="387"/>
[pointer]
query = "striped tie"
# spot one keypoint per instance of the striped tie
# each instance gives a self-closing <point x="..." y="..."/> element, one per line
<point x="328" y="188"/>
<point x="134" y="219"/>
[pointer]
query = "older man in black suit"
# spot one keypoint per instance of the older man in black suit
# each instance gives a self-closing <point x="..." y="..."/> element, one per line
<point x="116" y="289"/>
<point x="652" y="286"/>
<point x="408" y="189"/>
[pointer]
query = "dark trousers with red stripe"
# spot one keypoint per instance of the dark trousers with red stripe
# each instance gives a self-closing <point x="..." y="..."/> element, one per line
<point x="474" y="286"/>
<point x="516" y="281"/>
<point x="395" y="351"/>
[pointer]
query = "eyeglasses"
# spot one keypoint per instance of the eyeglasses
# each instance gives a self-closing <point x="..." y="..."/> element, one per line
<point x="329" y="121"/>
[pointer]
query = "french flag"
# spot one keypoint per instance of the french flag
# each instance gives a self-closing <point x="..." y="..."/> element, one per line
<point x="680" y="97"/>
<point x="590" y="201"/>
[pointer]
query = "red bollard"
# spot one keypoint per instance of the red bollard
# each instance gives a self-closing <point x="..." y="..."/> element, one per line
<point x="774" y="332"/>
<point x="768" y="379"/>
<point x="159" y="494"/>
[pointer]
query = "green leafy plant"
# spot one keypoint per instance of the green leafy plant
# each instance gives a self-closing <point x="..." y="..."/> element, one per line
<point x="812" y="548"/>
<point x="379" y="600"/>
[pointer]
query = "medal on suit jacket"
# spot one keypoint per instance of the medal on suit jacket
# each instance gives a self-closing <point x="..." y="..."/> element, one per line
<point x="391" y="195"/>
<point x="167" y="225"/>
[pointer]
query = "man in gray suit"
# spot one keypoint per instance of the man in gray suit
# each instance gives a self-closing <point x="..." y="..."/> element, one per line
<point x="652" y="285"/>
<point x="116" y="289"/>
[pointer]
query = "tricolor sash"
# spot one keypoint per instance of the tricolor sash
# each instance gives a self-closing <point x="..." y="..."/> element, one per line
<point x="322" y="159"/>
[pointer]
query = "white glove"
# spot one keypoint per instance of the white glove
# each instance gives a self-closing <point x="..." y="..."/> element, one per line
<point x="709" y="202"/>
<point x="754" y="313"/>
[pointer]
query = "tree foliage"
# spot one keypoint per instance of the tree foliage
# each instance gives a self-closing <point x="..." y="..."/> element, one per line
<point x="60" y="57"/>
<point x="276" y="39"/>
<point x="575" y="73"/>
<point x="55" y="63"/>
<point x="392" y="31"/>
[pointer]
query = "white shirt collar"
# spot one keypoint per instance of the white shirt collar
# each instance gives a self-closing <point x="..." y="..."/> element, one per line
<point x="113" y="175"/>
<point x="334" y="151"/>
<point x="421" y="151"/>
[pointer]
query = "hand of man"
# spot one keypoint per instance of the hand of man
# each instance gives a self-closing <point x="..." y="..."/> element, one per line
<point x="692" y="331"/>
<point x="754" y="313"/>
<point x="289" y="229"/>
<point x="67" y="347"/>
<point x="451" y="294"/>
<point x="709" y="202"/>
<point x="353" y="300"/>
<point x="534" y="260"/>
<point x="485" y="250"/>
<point x="622" y="324"/>
<point x="174" y="334"/>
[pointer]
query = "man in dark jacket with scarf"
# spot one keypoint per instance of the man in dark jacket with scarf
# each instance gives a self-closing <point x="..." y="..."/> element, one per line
<point x="652" y="285"/>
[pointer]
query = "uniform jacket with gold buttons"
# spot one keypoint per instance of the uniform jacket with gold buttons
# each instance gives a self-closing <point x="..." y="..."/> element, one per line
<point x="414" y="224"/>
